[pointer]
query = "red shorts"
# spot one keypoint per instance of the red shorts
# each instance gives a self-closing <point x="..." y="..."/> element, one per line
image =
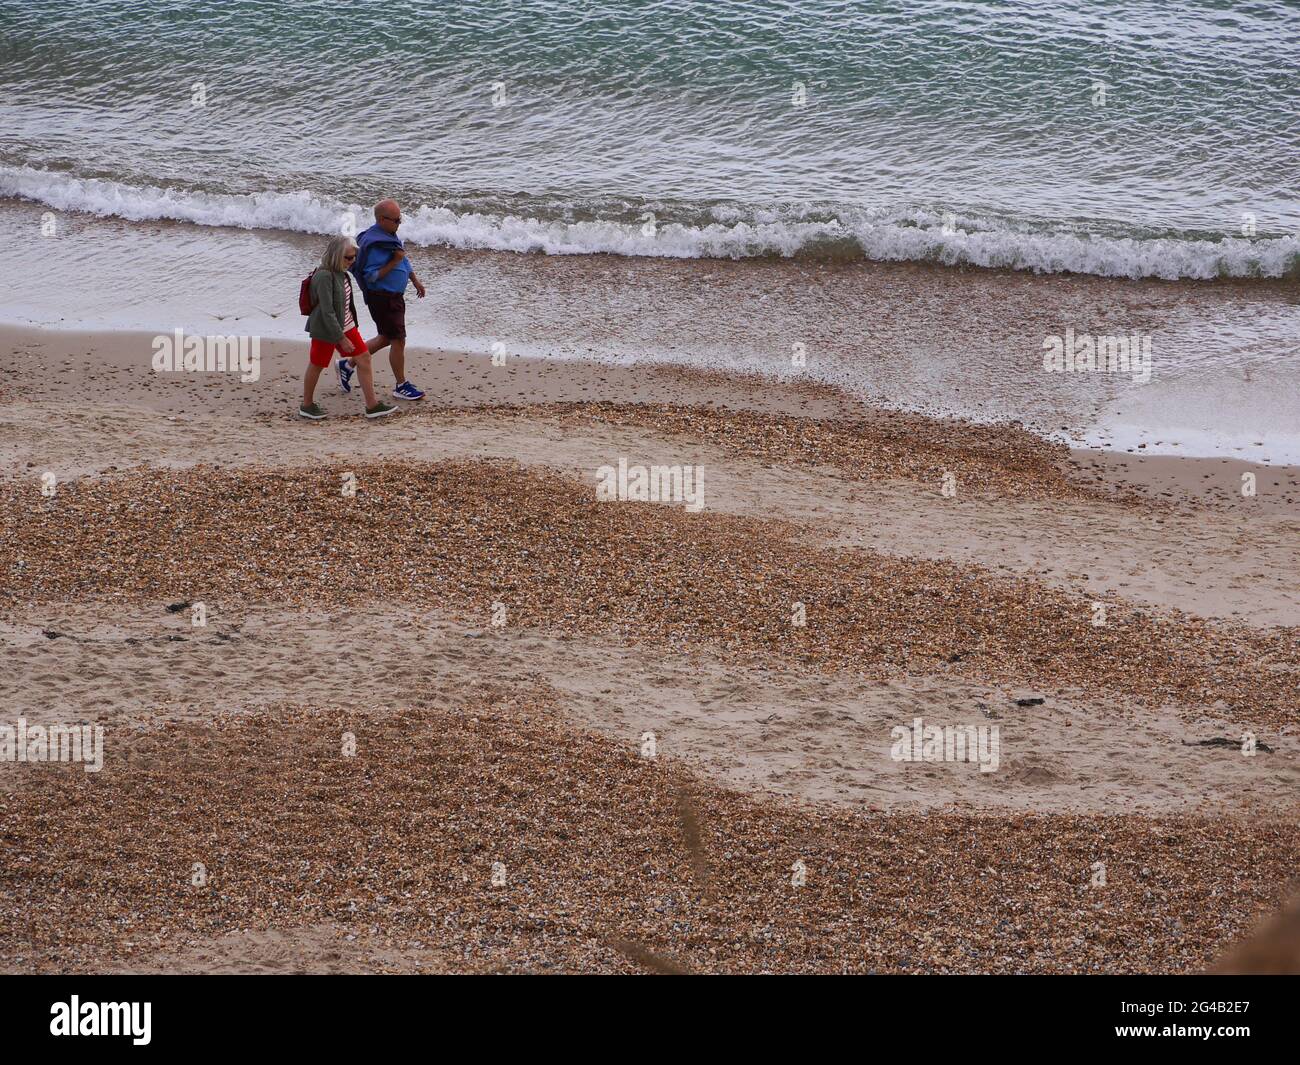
<point x="322" y="350"/>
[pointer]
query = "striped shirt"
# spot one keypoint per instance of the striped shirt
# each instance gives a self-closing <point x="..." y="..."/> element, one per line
<point x="349" y="319"/>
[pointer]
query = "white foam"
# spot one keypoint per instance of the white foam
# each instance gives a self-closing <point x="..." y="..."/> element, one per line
<point x="1253" y="415"/>
<point x="912" y="235"/>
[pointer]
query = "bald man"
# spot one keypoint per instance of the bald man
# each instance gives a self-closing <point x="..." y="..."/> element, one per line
<point x="383" y="271"/>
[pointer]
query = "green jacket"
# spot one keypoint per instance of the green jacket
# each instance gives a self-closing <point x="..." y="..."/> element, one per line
<point x="329" y="289"/>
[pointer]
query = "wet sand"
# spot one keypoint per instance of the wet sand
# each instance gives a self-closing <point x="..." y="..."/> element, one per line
<point x="938" y="340"/>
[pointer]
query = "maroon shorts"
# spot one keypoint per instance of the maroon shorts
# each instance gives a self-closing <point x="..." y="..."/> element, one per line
<point x="388" y="309"/>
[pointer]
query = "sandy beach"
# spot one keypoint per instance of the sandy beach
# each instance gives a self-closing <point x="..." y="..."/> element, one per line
<point x="449" y="710"/>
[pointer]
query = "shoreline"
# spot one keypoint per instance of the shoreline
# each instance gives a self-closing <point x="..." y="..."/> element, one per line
<point x="926" y="338"/>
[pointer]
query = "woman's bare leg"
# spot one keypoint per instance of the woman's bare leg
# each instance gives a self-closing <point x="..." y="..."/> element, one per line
<point x="376" y="343"/>
<point x="366" y="375"/>
<point x="309" y="383"/>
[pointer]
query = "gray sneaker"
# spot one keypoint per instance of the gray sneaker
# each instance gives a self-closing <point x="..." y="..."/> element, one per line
<point x="311" y="411"/>
<point x="380" y="410"/>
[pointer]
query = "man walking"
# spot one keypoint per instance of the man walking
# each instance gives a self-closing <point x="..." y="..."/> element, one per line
<point x="383" y="270"/>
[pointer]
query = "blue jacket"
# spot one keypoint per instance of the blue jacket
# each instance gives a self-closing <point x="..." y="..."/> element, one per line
<point x="374" y="248"/>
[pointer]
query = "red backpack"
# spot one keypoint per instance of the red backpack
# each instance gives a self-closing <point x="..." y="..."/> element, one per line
<point x="305" y="303"/>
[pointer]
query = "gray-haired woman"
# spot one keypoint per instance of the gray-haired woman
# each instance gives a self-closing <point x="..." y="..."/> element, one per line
<point x="333" y="325"/>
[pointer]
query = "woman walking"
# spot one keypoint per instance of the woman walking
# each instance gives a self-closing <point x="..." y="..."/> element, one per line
<point x="333" y="326"/>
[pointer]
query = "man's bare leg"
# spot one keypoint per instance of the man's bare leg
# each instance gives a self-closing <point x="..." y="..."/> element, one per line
<point x="397" y="356"/>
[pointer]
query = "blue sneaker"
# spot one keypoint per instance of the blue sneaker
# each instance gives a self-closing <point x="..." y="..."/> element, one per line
<point x="406" y="390"/>
<point x="346" y="370"/>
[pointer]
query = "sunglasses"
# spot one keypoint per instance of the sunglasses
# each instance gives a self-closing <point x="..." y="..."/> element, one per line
<point x="349" y="257"/>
